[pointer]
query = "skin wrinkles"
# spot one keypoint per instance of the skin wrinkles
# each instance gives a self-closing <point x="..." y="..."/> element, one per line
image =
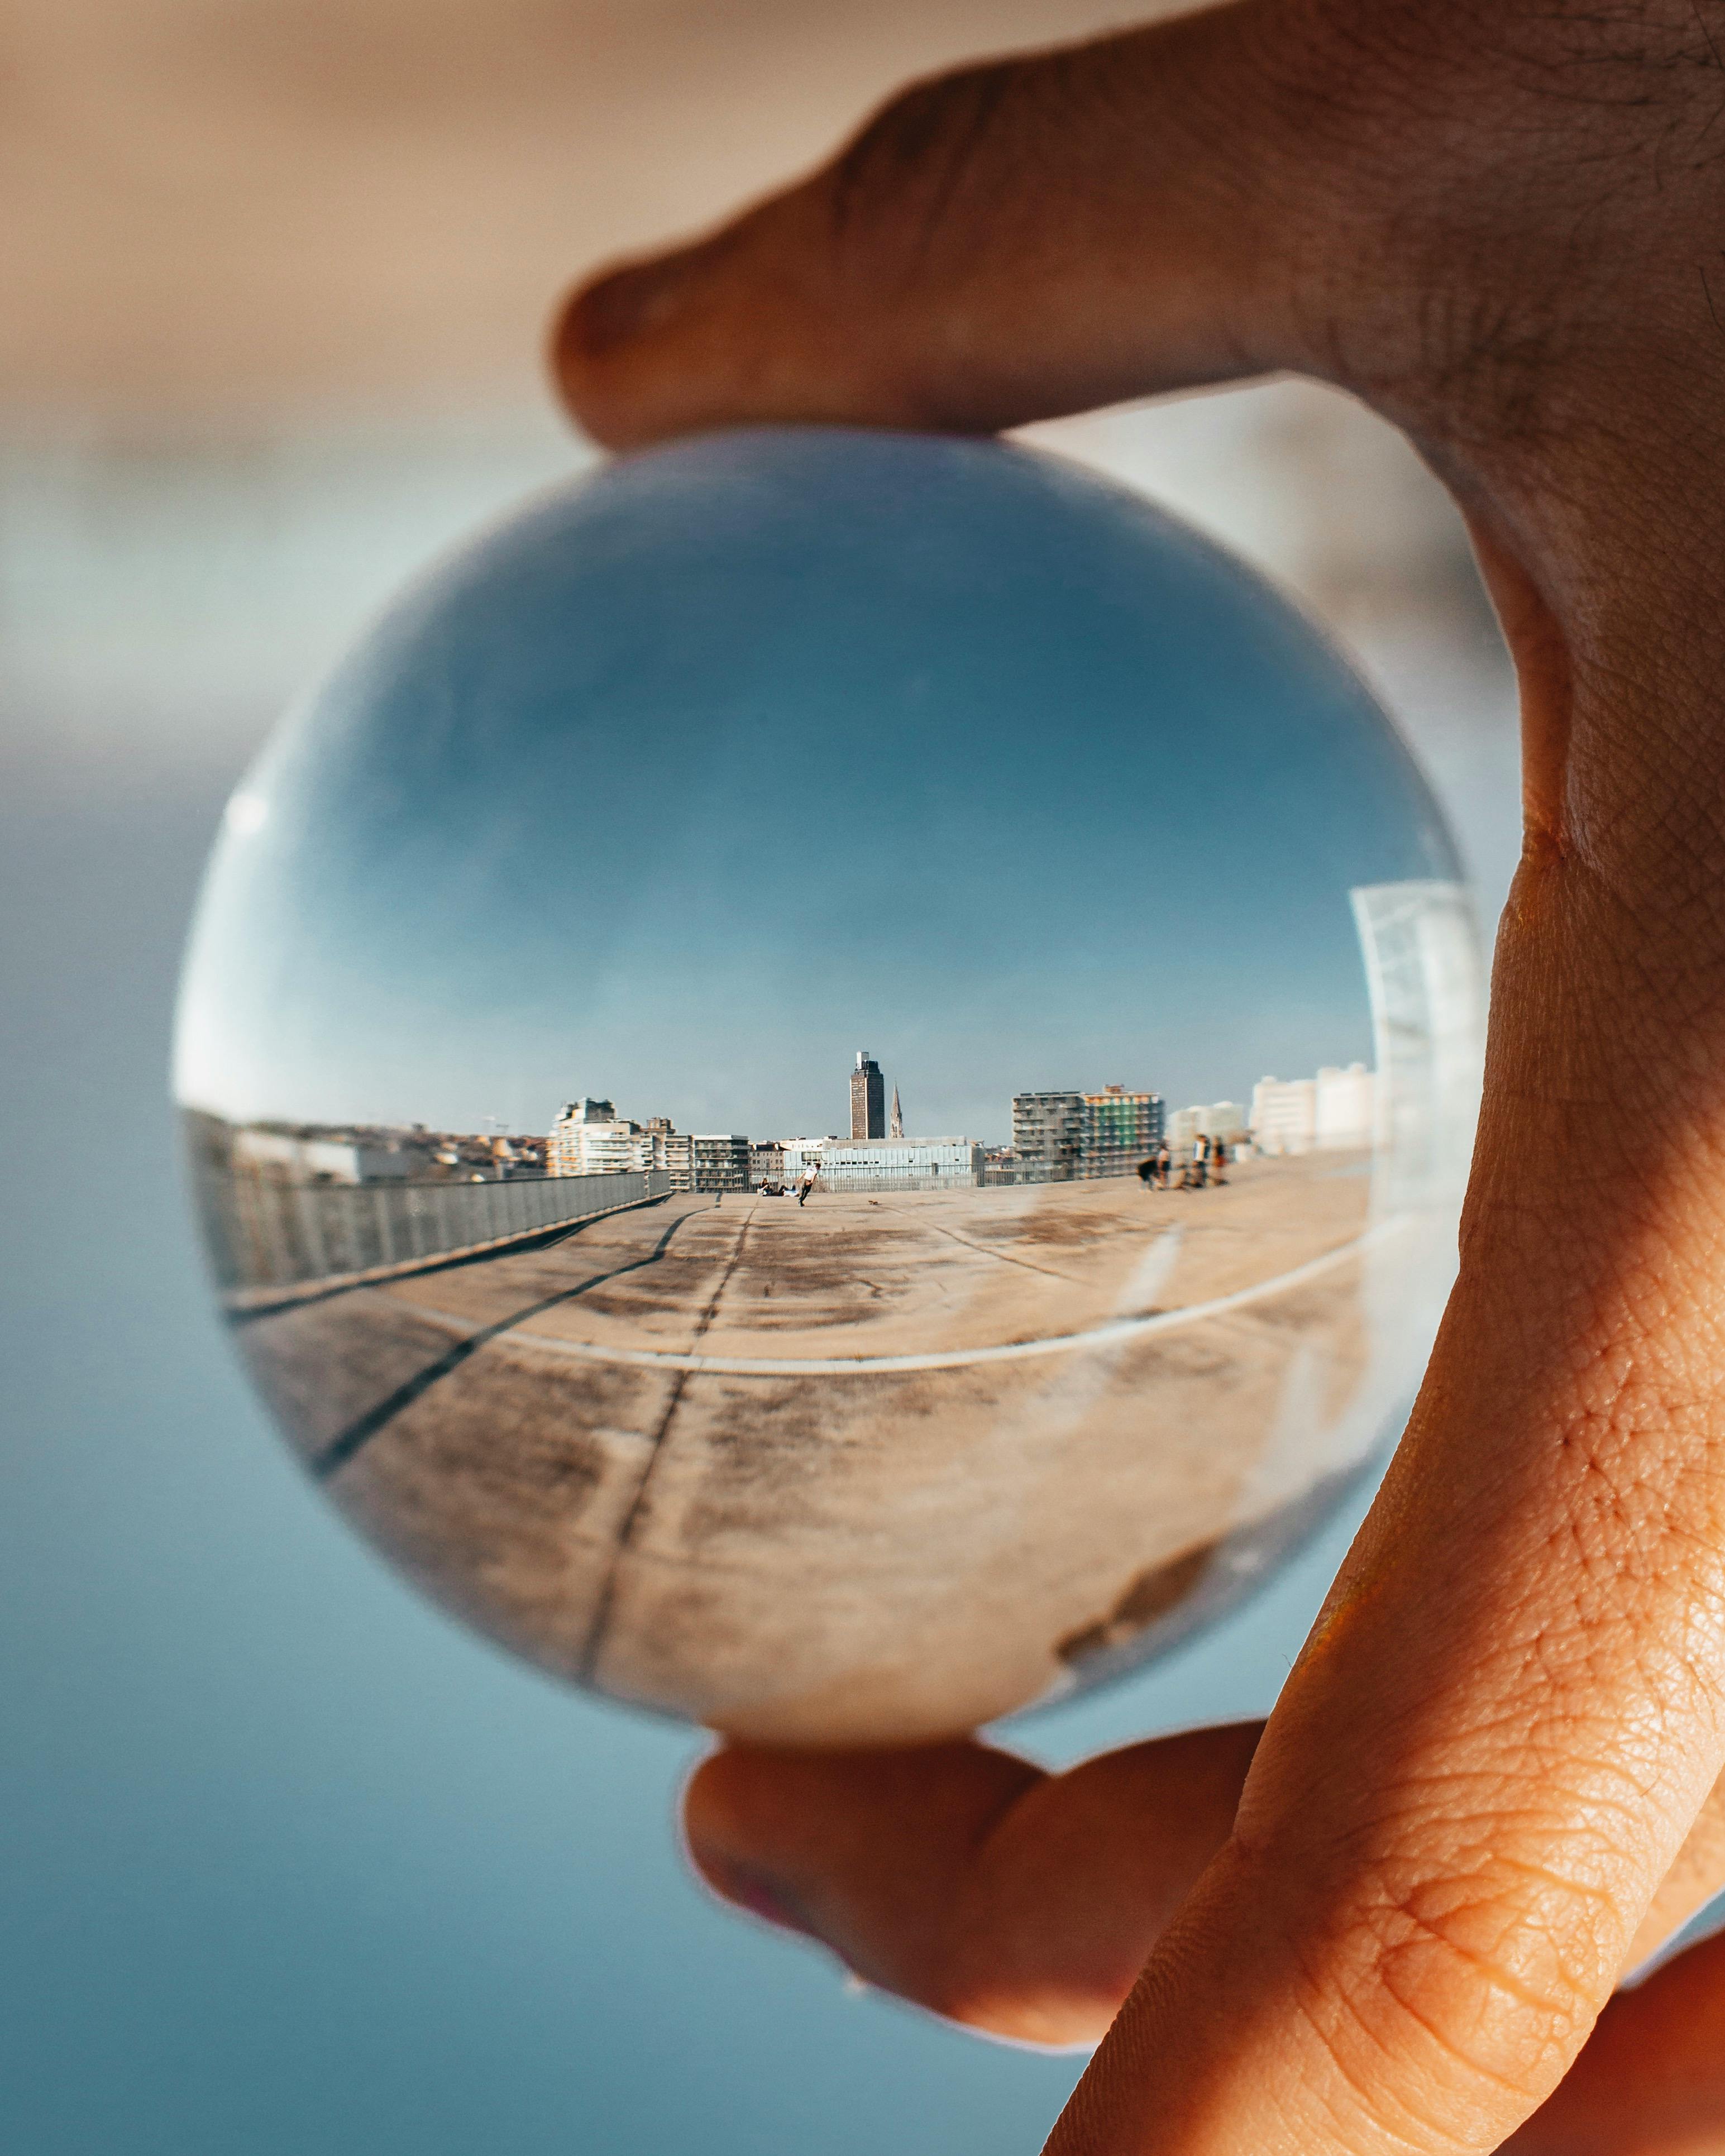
<point x="1341" y="2001"/>
<point x="1539" y="2075"/>
<point x="1516" y="1955"/>
<point x="1478" y="1876"/>
<point x="1484" y="2018"/>
<point x="1657" y="2025"/>
<point x="927" y="141"/>
<point x="1432" y="2129"/>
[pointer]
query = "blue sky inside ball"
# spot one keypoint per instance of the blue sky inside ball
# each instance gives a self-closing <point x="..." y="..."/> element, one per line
<point x="690" y="781"/>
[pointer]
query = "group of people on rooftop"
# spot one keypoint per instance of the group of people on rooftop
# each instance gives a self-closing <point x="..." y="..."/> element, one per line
<point x="1205" y="1163"/>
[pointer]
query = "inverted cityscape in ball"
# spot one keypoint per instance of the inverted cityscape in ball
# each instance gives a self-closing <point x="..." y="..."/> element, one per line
<point x="827" y="1083"/>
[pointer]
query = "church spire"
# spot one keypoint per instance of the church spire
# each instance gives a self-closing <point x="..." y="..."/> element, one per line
<point x="895" y="1128"/>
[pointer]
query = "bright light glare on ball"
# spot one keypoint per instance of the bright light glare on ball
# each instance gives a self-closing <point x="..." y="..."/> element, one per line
<point x="827" y="1082"/>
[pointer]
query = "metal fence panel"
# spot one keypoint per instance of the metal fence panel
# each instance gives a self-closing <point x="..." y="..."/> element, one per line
<point x="266" y="1234"/>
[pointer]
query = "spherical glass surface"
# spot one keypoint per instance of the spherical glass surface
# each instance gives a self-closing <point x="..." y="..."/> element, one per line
<point x="827" y="1081"/>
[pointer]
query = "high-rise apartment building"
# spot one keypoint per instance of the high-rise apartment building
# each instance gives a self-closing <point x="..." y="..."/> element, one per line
<point x="669" y="1150"/>
<point x="868" y="1098"/>
<point x="1046" y="1129"/>
<point x="1116" y="1130"/>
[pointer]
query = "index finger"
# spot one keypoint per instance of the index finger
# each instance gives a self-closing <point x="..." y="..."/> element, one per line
<point x="1034" y="235"/>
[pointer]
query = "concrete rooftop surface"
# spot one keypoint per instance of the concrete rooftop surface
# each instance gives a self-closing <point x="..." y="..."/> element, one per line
<point x="877" y="1468"/>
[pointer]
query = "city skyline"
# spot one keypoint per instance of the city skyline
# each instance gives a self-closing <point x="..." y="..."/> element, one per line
<point x="991" y="1123"/>
<point x="275" y="1202"/>
<point x="1112" y="1122"/>
<point x="992" y="1126"/>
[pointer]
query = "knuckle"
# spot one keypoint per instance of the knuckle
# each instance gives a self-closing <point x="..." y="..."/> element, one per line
<point x="909" y="177"/>
<point x="1472" y="1987"/>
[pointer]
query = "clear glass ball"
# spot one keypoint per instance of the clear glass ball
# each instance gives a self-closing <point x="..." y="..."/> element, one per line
<point x="827" y="1082"/>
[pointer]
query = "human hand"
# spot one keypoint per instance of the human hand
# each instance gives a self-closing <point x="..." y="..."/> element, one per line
<point x="1480" y="1796"/>
<point x="1024" y="1904"/>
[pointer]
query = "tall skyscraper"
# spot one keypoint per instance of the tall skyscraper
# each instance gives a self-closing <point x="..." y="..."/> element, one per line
<point x="896" y="1126"/>
<point x="868" y="1098"/>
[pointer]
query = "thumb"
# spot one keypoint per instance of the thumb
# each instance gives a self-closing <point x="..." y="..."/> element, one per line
<point x="1037" y="235"/>
<point x="967" y="1879"/>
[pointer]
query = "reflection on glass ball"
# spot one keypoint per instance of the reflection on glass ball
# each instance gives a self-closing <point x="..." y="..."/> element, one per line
<point x="827" y="1082"/>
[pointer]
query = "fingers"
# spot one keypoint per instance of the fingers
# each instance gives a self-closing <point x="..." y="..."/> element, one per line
<point x="1497" y="1744"/>
<point x="1005" y="1898"/>
<point x="1651" y="2081"/>
<point x="1034" y="236"/>
<point x="1438" y="204"/>
<point x="967" y="1880"/>
<point x="1489" y="1755"/>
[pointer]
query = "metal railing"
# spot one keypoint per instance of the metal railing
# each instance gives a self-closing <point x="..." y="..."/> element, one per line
<point x="264" y="1233"/>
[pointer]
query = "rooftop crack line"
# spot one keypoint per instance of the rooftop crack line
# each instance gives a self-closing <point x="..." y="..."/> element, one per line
<point x="341" y="1448"/>
<point x="1005" y="1257"/>
<point x="596" y="1631"/>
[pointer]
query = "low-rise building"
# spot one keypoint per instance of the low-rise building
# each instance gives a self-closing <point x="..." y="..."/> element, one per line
<point x="1182" y="1130"/>
<point x="1284" y="1118"/>
<point x="900" y="1164"/>
<point x="1343" y="1106"/>
<point x="1334" y="1111"/>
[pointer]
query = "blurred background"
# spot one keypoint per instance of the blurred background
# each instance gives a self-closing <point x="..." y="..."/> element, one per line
<point x="289" y="1864"/>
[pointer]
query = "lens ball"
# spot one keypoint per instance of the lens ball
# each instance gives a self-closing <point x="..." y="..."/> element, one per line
<point x="827" y="1082"/>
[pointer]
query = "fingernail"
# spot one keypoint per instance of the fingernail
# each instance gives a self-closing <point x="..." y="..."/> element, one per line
<point x="626" y="305"/>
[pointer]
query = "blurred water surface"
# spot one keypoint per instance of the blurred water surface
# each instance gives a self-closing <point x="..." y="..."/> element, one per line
<point x="291" y="1864"/>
